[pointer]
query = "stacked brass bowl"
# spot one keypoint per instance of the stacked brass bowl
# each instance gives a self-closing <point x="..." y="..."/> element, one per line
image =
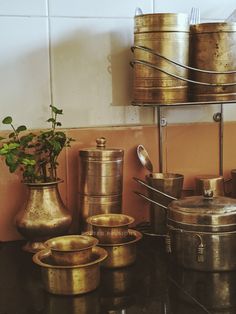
<point x="114" y="235"/>
<point x="70" y="264"/>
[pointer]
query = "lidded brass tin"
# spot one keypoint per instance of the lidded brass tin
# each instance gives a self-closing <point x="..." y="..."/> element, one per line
<point x="202" y="232"/>
<point x="100" y="180"/>
<point x="167" y="35"/>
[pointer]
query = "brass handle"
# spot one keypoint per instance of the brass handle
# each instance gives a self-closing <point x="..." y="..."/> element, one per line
<point x="101" y="142"/>
<point x="149" y="199"/>
<point x="200" y="250"/>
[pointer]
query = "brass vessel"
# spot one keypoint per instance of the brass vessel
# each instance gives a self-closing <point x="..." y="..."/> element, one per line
<point x="122" y="254"/>
<point x="167" y="35"/>
<point x="43" y="215"/>
<point x="70" y="280"/>
<point x="110" y="228"/>
<point x="71" y="249"/>
<point x="202" y="232"/>
<point x="100" y="181"/>
<point x="213" y="47"/>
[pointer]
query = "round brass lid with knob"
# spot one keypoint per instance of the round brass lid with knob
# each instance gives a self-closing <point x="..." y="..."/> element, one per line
<point x="203" y="213"/>
<point x="101" y="151"/>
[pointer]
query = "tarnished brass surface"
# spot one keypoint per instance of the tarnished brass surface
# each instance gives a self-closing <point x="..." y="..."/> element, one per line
<point x="70" y="280"/>
<point x="71" y="249"/>
<point x="122" y="254"/>
<point x="233" y="189"/>
<point x="200" y="214"/>
<point x="213" y="47"/>
<point x="95" y="205"/>
<point x="209" y="182"/>
<point x="215" y="290"/>
<point x="101" y="170"/>
<point x="43" y="215"/>
<point x="168" y="35"/>
<point x="169" y="183"/>
<point x="110" y="228"/>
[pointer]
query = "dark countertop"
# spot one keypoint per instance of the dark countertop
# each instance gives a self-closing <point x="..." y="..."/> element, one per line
<point x="152" y="285"/>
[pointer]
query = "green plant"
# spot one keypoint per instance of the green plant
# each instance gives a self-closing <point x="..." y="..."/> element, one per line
<point x="35" y="155"/>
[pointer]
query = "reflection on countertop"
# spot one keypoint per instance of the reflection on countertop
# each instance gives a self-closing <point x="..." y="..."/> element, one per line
<point x="152" y="285"/>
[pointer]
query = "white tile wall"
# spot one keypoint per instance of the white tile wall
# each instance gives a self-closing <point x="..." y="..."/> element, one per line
<point x="23" y="7"/>
<point x="211" y="9"/>
<point x="91" y="74"/>
<point x="88" y="71"/>
<point x="101" y="8"/>
<point x="24" y="70"/>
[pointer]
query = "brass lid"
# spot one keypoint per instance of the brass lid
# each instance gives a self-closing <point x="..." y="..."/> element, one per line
<point x="100" y="151"/>
<point x="203" y="213"/>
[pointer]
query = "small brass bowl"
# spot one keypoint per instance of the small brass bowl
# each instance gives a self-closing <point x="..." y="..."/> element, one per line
<point x="110" y="228"/>
<point x="71" y="249"/>
<point x="122" y="254"/>
<point x="70" y="280"/>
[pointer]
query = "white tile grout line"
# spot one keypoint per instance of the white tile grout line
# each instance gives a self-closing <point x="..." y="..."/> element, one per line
<point x="50" y="53"/>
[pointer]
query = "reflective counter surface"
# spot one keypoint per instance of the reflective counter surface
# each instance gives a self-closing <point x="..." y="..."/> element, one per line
<point x="152" y="285"/>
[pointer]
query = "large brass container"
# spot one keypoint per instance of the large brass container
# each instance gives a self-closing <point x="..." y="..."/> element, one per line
<point x="43" y="215"/>
<point x="213" y="47"/>
<point x="169" y="183"/>
<point x="70" y="280"/>
<point x="166" y="34"/>
<point x="100" y="181"/>
<point x="202" y="233"/>
<point x="101" y="170"/>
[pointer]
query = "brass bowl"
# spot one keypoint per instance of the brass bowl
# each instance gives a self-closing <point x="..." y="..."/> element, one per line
<point x="71" y="249"/>
<point x="122" y="254"/>
<point x="110" y="228"/>
<point x="70" y="280"/>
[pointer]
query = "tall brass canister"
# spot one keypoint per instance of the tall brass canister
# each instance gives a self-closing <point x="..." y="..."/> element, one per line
<point x="157" y="37"/>
<point x="213" y="48"/>
<point x="100" y="181"/>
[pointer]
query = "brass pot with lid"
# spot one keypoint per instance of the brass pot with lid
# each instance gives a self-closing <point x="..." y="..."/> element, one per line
<point x="202" y="232"/>
<point x="100" y="180"/>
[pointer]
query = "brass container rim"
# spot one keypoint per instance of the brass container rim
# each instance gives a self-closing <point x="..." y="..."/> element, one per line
<point x="163" y="14"/>
<point x="42" y="184"/>
<point x="213" y="27"/>
<point x="100" y="252"/>
<point x="81" y="243"/>
<point x="97" y="220"/>
<point x="165" y="175"/>
<point x="131" y="232"/>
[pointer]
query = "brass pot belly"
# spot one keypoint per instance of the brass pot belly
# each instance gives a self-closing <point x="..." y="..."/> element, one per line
<point x="43" y="216"/>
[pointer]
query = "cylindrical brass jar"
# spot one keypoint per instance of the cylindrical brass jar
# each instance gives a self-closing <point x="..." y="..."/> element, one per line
<point x="213" y="47"/>
<point x="166" y="34"/>
<point x="209" y="182"/>
<point x="202" y="233"/>
<point x="100" y="181"/>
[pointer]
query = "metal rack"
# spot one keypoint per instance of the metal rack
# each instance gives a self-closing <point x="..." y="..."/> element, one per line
<point x="218" y="117"/>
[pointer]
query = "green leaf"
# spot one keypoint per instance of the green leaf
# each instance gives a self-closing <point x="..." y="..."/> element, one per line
<point x="11" y="135"/>
<point x="2" y="138"/>
<point x="51" y="120"/>
<point x="56" y="110"/>
<point x="58" y="124"/>
<point x="12" y="146"/>
<point x="10" y="159"/>
<point x="7" y="120"/>
<point x="13" y="167"/>
<point x="21" y="128"/>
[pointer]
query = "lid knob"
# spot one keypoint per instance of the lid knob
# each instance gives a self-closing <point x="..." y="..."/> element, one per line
<point x="101" y="142"/>
<point x="208" y="194"/>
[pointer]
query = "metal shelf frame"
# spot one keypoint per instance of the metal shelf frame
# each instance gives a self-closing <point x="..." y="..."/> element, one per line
<point x="218" y="117"/>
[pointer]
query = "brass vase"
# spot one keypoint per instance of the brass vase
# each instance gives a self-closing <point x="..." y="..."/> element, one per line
<point x="43" y="215"/>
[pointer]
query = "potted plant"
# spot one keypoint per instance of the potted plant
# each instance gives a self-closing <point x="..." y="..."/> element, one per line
<point x="34" y="156"/>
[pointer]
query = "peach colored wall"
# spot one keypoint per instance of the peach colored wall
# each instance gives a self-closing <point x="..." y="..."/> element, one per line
<point x="191" y="149"/>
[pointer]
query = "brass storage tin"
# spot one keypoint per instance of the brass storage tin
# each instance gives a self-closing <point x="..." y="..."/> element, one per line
<point x="213" y="47"/>
<point x="168" y="35"/>
<point x="101" y="170"/>
<point x="209" y="182"/>
<point x="202" y="233"/>
<point x="100" y="180"/>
